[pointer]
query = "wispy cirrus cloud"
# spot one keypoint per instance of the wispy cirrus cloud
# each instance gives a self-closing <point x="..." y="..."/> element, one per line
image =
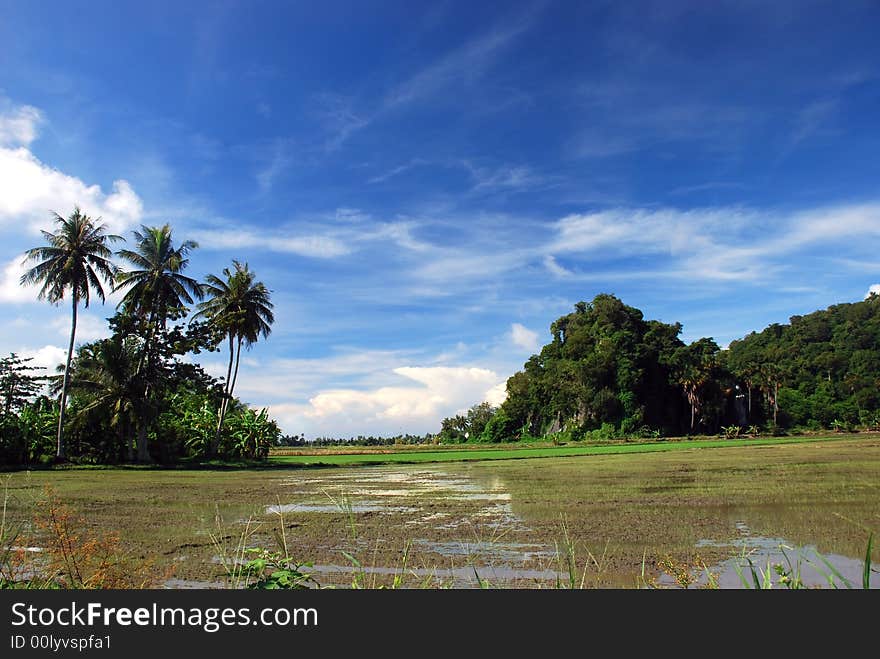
<point x="400" y="169"/>
<point x="505" y="177"/>
<point x="715" y="244"/>
<point x="343" y="233"/>
<point x="465" y="65"/>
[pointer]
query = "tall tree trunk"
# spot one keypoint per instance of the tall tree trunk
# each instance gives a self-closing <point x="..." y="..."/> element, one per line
<point x="226" y="393"/>
<point x="129" y="440"/>
<point x="225" y="406"/>
<point x="143" y="453"/>
<point x="775" y="401"/>
<point x="59" y="448"/>
<point x="750" y="400"/>
<point x="235" y="373"/>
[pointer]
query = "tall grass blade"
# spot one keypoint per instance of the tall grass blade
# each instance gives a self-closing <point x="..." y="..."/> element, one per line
<point x="843" y="580"/>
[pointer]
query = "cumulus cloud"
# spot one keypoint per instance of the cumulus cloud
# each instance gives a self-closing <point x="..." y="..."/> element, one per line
<point x="444" y="389"/>
<point x="30" y="190"/>
<point x="523" y="337"/>
<point x="11" y="291"/>
<point x="412" y="399"/>
<point x="88" y="328"/>
<point x="19" y="125"/>
<point x="48" y="357"/>
<point x="497" y="394"/>
<point x="873" y="290"/>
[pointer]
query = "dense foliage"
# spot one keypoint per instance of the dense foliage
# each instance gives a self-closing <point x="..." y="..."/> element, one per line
<point x="136" y="395"/>
<point x="608" y="372"/>
<point x="820" y="371"/>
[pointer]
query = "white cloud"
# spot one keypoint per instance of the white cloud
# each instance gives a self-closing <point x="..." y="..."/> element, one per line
<point x="555" y="269"/>
<point x="504" y="177"/>
<point x="316" y="246"/>
<point x="523" y="337"/>
<point x="88" y="328"/>
<point x="18" y="125"/>
<point x="275" y="167"/>
<point x="449" y="266"/>
<point x="30" y="190"/>
<point x="722" y="244"/>
<point x="48" y="357"/>
<point x="811" y="119"/>
<point x="364" y="392"/>
<point x="463" y="65"/>
<point x="11" y="291"/>
<point x="381" y="178"/>
<point x="496" y="395"/>
<point x="466" y="63"/>
<point x="873" y="290"/>
<point x="835" y="223"/>
<point x="444" y="391"/>
<point x="323" y="242"/>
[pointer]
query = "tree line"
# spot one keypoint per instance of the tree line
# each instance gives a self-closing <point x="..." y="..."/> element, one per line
<point x="608" y="372"/>
<point x="133" y="396"/>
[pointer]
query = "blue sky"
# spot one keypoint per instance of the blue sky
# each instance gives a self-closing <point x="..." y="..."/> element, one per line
<point x="426" y="186"/>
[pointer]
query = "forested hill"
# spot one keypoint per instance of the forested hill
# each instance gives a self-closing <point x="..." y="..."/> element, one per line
<point x="609" y="372"/>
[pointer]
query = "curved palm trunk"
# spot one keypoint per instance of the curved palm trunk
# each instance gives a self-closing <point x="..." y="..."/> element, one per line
<point x="59" y="449"/>
<point x="235" y="373"/>
<point x="226" y="393"/>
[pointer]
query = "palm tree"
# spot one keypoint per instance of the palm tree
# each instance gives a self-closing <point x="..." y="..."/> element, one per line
<point x="76" y="260"/>
<point x="240" y="307"/>
<point x="157" y="291"/>
<point x="104" y="371"/>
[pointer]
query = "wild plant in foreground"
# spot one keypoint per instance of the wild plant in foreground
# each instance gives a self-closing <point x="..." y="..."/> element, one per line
<point x="258" y="568"/>
<point x="60" y="551"/>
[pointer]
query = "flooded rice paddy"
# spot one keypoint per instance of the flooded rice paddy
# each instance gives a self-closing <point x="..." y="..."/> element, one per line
<point x="593" y="521"/>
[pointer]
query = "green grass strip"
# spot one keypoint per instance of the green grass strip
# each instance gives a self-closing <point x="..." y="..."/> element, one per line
<point x="452" y="455"/>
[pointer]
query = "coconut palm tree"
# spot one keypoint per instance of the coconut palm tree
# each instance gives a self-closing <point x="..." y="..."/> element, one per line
<point x="156" y="287"/>
<point x="104" y="371"/>
<point x="157" y="291"/>
<point x="240" y="307"/>
<point x="76" y="261"/>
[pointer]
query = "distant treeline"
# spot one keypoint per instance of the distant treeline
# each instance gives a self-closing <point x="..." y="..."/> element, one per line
<point x="608" y="372"/>
<point x="360" y="440"/>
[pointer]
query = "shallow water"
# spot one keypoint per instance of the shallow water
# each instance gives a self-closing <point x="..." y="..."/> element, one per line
<point x="762" y="554"/>
<point x="459" y="521"/>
